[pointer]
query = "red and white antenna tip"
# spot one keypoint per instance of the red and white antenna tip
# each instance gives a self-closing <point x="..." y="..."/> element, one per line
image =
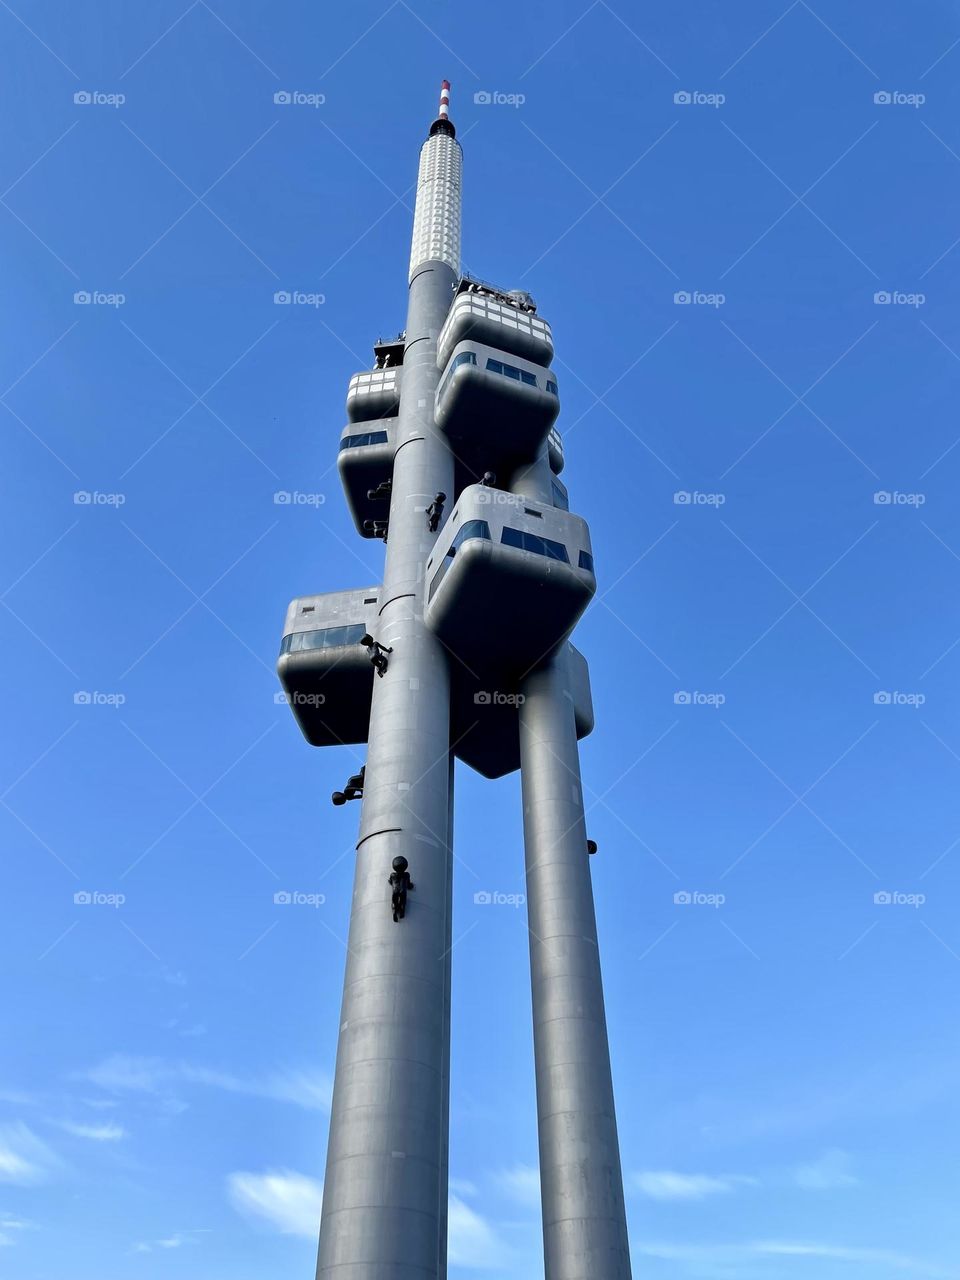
<point x="445" y="100"/>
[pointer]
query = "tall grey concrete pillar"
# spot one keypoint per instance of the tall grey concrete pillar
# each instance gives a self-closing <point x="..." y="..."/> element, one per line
<point x="385" y="1192"/>
<point x="584" y="1219"/>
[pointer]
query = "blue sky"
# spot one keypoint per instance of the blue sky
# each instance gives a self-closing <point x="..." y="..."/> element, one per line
<point x="770" y="473"/>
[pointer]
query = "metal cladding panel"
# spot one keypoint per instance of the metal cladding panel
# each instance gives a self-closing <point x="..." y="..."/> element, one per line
<point x="497" y="420"/>
<point x="496" y="324"/>
<point x="365" y="466"/>
<point x="436" y="219"/>
<point x="374" y="394"/>
<point x="329" y="689"/>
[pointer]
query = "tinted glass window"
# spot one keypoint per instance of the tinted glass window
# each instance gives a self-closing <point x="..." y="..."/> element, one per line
<point x="586" y="561"/>
<point x="365" y="437"/>
<point x="324" y="638"/>
<point x="470" y="529"/>
<point x="528" y="378"/>
<point x="560" y="498"/>
<point x="552" y="388"/>
<point x="533" y="542"/>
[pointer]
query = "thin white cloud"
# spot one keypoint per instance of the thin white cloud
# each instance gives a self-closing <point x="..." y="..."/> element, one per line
<point x="462" y="1187"/>
<point x="666" y="1185"/>
<point x="832" y="1172"/>
<point x="471" y="1240"/>
<point x="8" y="1224"/>
<point x="148" y="1246"/>
<point x="733" y="1255"/>
<point x="123" y="1073"/>
<point x="288" y="1201"/>
<point x="94" y="1132"/>
<point x="520" y="1183"/>
<point x="24" y="1158"/>
<point x="175" y="1241"/>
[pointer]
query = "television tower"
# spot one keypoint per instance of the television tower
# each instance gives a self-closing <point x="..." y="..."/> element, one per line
<point x="451" y="457"/>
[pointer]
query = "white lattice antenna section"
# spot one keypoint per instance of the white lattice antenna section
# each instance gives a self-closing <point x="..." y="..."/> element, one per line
<point x="436" y="222"/>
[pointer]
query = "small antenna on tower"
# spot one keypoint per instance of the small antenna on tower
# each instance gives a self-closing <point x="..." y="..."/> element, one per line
<point x="443" y="123"/>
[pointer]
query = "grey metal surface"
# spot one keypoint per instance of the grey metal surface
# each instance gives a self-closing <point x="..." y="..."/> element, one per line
<point x="581" y="1186"/>
<point x="385" y="1194"/>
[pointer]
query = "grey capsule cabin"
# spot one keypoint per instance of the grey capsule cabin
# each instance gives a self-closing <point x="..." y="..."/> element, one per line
<point x="507" y="581"/>
<point x="365" y="462"/>
<point x="324" y="669"/>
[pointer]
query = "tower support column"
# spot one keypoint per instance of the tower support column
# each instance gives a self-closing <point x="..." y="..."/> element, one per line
<point x="385" y="1192"/>
<point x="584" y="1220"/>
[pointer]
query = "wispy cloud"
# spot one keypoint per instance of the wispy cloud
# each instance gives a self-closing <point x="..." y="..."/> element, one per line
<point x="288" y="1201"/>
<point x="832" y="1172"/>
<point x="148" y="1246"/>
<point x="24" y="1158"/>
<point x="471" y="1240"/>
<point x="123" y="1073"/>
<point x="10" y="1224"/>
<point x="520" y="1183"/>
<point x="94" y="1132"/>
<point x="723" y="1256"/>
<point x="175" y="1241"/>
<point x="666" y="1185"/>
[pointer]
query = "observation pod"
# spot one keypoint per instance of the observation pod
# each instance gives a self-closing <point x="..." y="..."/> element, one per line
<point x="485" y="722"/>
<point x="508" y="579"/>
<point x="365" y="462"/>
<point x="494" y="407"/>
<point x="375" y="394"/>
<point x="480" y="317"/>
<point x="324" y="669"/>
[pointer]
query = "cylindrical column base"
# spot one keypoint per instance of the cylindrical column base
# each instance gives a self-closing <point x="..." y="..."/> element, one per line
<point x="584" y="1219"/>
